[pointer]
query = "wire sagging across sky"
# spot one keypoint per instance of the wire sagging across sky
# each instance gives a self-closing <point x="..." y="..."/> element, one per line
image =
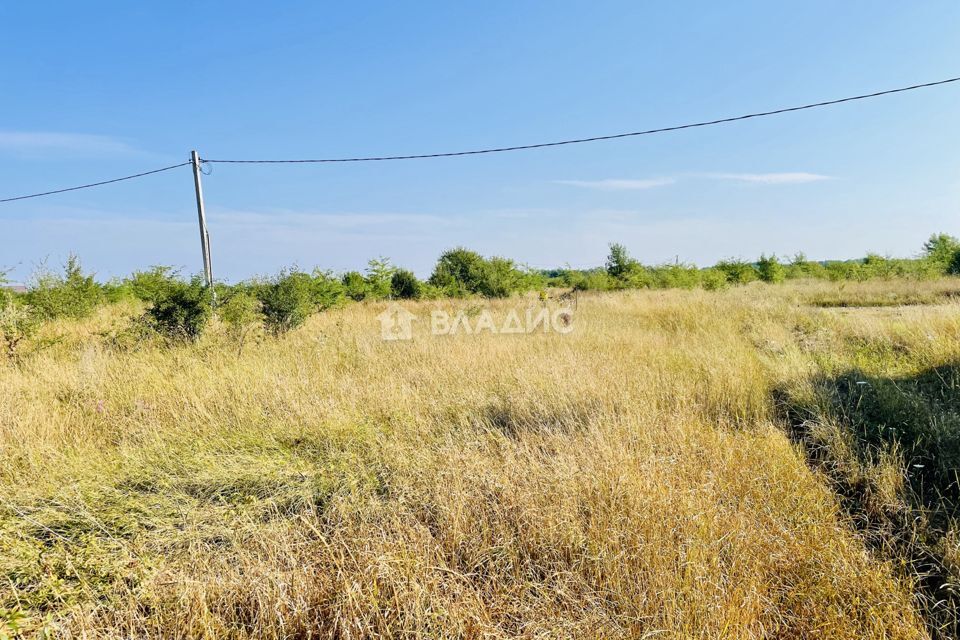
<point x="541" y="145"/>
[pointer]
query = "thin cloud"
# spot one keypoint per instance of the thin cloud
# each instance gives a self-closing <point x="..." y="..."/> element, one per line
<point x="618" y="185"/>
<point x="797" y="177"/>
<point x="34" y="142"/>
<point x="331" y="220"/>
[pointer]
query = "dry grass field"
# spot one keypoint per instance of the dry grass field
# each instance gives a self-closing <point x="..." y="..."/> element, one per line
<point x="634" y="478"/>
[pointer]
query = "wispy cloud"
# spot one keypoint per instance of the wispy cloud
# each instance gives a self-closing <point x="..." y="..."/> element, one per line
<point x="797" y="177"/>
<point x="33" y="142"/>
<point x="303" y="219"/>
<point x="618" y="185"/>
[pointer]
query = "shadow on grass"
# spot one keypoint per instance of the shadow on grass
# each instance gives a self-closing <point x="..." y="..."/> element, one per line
<point x="851" y="427"/>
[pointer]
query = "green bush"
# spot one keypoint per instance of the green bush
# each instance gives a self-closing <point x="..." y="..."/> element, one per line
<point x="18" y="322"/>
<point x="800" y="267"/>
<point x="675" y="276"/>
<point x="460" y="272"/>
<point x="737" y="271"/>
<point x="713" y="279"/>
<point x="404" y="285"/>
<point x="500" y="278"/>
<point x="355" y="286"/>
<point x="379" y="278"/>
<point x="73" y="294"/>
<point x="240" y="312"/>
<point x="182" y="310"/>
<point x="593" y="280"/>
<point x="770" y="270"/>
<point x="152" y="284"/>
<point x="326" y="291"/>
<point x="287" y="301"/>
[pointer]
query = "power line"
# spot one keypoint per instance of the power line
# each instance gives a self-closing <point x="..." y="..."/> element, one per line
<point x="503" y="149"/>
<point x="97" y="184"/>
<point x="598" y="138"/>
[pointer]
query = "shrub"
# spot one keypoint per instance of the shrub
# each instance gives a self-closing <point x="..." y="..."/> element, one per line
<point x="800" y="267"/>
<point x="459" y="272"/>
<point x="770" y="270"/>
<point x="737" y="271"/>
<point x="287" y="302"/>
<point x="500" y="278"/>
<point x="713" y="279"/>
<point x="355" y="286"/>
<point x="675" y="276"/>
<point x="72" y="294"/>
<point x="182" y="310"/>
<point x="240" y="312"/>
<point x="838" y="270"/>
<point x="404" y="285"/>
<point x="152" y="284"/>
<point x="18" y="322"/>
<point x="593" y="280"/>
<point x="379" y="278"/>
<point x="326" y="291"/>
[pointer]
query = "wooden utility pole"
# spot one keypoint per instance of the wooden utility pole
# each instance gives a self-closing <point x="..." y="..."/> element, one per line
<point x="201" y="214"/>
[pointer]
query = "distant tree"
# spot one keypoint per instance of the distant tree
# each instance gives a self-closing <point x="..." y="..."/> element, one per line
<point x="459" y="271"/>
<point x="355" y="286"/>
<point x="379" y="275"/>
<point x="619" y="262"/>
<point x="944" y="252"/>
<point x="770" y="270"/>
<point x="326" y="290"/>
<point x="404" y="285"/>
<point x="737" y="271"/>
<point x="501" y="278"/>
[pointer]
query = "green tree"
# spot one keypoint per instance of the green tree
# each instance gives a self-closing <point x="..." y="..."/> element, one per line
<point x="770" y="270"/>
<point x="355" y="286"/>
<point x="737" y="271"/>
<point x="379" y="275"/>
<point x="943" y="251"/>
<point x="459" y="272"/>
<point x="326" y="290"/>
<point x="619" y="263"/>
<point x="404" y="285"/>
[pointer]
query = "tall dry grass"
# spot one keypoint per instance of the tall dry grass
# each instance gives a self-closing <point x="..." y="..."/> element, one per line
<point x="629" y="479"/>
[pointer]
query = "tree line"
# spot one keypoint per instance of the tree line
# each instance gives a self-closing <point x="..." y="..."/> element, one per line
<point x="179" y="308"/>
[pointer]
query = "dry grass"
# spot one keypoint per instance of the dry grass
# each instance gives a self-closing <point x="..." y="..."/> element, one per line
<point x="627" y="480"/>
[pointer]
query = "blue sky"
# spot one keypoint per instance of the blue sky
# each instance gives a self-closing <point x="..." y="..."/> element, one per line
<point x="97" y="90"/>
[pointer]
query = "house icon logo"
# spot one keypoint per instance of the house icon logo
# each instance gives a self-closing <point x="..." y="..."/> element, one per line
<point x="396" y="323"/>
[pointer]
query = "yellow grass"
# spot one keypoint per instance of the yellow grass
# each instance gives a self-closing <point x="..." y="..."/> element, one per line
<point x="627" y="480"/>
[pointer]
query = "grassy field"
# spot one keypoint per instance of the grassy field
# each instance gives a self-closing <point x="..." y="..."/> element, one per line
<point x="683" y="464"/>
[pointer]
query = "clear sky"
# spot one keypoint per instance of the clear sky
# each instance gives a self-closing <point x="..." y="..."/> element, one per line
<point x="96" y="90"/>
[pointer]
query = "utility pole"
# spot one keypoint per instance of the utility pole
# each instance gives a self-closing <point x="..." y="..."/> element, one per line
<point x="202" y="216"/>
